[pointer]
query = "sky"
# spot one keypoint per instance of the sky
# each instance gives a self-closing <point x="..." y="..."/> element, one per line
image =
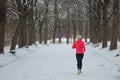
<point x="58" y="62"/>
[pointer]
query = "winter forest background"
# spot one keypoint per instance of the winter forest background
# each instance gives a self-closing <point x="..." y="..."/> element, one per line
<point x="23" y="22"/>
<point x="26" y="23"/>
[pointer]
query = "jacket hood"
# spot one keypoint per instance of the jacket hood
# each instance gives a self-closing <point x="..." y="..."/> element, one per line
<point x="79" y="40"/>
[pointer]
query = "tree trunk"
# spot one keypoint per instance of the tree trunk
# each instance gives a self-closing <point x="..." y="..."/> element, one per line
<point x="23" y="31"/>
<point x="91" y="22"/>
<point x="115" y="27"/>
<point x="86" y="32"/>
<point x="46" y="32"/>
<point x="119" y="24"/>
<point x="91" y="30"/>
<point x="30" y="25"/>
<point x="74" y="21"/>
<point x="119" y="32"/>
<point x="22" y="23"/>
<point x="80" y="28"/>
<point x="99" y="12"/>
<point x="46" y="22"/>
<point x="68" y="25"/>
<point x="56" y="20"/>
<point x="105" y="26"/>
<point x="33" y="35"/>
<point x="59" y="31"/>
<point x="95" y="24"/>
<point x="15" y="38"/>
<point x="74" y="31"/>
<point x="2" y="24"/>
<point x="40" y="31"/>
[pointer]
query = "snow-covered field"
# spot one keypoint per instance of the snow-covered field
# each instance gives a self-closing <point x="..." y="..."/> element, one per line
<point x="58" y="62"/>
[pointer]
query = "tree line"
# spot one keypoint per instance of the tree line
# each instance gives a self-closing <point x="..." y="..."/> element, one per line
<point x="23" y="22"/>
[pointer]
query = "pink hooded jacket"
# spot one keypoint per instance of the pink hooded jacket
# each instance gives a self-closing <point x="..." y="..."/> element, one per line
<point x="80" y="46"/>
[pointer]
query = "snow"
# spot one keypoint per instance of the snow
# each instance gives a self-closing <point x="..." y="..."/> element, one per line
<point x="58" y="62"/>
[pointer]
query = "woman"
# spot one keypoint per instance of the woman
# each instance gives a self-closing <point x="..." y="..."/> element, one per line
<point x="80" y="49"/>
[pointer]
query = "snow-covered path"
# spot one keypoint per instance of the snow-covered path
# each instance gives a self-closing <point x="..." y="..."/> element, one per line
<point x="58" y="62"/>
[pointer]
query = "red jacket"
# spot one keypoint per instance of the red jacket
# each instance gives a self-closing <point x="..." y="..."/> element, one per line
<point x="80" y="46"/>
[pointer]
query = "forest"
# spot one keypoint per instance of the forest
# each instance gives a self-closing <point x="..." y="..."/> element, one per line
<point x="23" y="22"/>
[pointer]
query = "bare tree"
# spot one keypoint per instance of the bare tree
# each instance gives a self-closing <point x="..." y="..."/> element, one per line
<point x="21" y="30"/>
<point x="105" y="23"/>
<point x="46" y="2"/>
<point x="59" y="30"/>
<point x="99" y="20"/>
<point x="41" y="31"/>
<point x="91" y="21"/>
<point x="115" y="26"/>
<point x="74" y="24"/>
<point x="68" y="23"/>
<point x="2" y="24"/>
<point x="31" y="27"/>
<point x="56" y="20"/>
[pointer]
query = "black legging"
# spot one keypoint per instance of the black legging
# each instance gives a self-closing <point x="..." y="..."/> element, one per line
<point x="79" y="58"/>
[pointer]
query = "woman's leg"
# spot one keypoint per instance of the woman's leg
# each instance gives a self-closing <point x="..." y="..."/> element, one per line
<point x="79" y="58"/>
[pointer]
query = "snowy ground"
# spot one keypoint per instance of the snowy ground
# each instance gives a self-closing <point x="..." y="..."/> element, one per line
<point x="58" y="62"/>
